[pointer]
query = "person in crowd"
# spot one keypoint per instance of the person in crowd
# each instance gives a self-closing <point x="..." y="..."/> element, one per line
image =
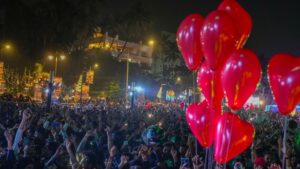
<point x="103" y="135"/>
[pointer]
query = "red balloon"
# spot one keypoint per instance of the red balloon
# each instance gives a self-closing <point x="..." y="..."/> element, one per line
<point x="182" y="104"/>
<point x="202" y="121"/>
<point x="284" y="79"/>
<point x="240" y="76"/>
<point x="219" y="37"/>
<point x="233" y="136"/>
<point x="242" y="19"/>
<point x="209" y="82"/>
<point x="188" y="40"/>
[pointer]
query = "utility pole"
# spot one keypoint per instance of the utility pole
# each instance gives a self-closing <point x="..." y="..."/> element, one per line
<point x="83" y="77"/>
<point x="127" y="79"/>
<point x="50" y="91"/>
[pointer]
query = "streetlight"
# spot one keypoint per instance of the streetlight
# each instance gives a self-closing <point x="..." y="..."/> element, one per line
<point x="50" y="57"/>
<point x="128" y="60"/>
<point x="61" y="57"/>
<point x="151" y="42"/>
<point x="96" y="66"/>
<point x="4" y="47"/>
<point x="7" y="46"/>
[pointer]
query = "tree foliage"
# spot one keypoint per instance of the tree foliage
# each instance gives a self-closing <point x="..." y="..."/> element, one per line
<point x="168" y="63"/>
<point x="112" y="90"/>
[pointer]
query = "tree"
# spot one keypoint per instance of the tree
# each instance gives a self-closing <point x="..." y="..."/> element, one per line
<point x="168" y="63"/>
<point x="14" y="82"/>
<point x="79" y="84"/>
<point x="112" y="90"/>
<point x="55" y="24"/>
<point x="131" y="26"/>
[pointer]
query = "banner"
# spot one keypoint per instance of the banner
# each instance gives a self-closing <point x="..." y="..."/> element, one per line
<point x="274" y="108"/>
<point x="2" y="81"/>
<point x="89" y="77"/>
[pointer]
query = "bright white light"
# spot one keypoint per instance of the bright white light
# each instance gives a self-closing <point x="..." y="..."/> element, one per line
<point x="139" y="89"/>
<point x="46" y="90"/>
<point x="261" y="102"/>
<point x="130" y="93"/>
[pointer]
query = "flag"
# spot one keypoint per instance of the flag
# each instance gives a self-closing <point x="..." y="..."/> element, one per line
<point x="159" y="94"/>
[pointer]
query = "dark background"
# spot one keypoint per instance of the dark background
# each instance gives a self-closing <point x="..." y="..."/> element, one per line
<point x="276" y="28"/>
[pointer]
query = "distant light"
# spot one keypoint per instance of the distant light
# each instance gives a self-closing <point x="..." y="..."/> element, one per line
<point x="178" y="79"/>
<point x="50" y="57"/>
<point x="261" y="102"/>
<point x="96" y="65"/>
<point x="151" y="42"/>
<point x="46" y="90"/>
<point x="62" y="57"/>
<point x="107" y="45"/>
<point x="139" y="89"/>
<point x="150" y="115"/>
<point x="7" y="46"/>
<point x="130" y="93"/>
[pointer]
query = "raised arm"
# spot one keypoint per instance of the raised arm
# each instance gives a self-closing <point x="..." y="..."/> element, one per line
<point x="10" y="153"/>
<point x="83" y="141"/>
<point x="22" y="127"/>
<point x="109" y="139"/>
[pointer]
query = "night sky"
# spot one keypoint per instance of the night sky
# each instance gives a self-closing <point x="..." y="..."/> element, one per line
<point x="276" y="24"/>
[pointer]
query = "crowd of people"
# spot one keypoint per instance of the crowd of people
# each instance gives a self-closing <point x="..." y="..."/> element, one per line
<point x="110" y="136"/>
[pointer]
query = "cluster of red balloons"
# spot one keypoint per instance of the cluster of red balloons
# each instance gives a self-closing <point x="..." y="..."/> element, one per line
<point x="214" y="47"/>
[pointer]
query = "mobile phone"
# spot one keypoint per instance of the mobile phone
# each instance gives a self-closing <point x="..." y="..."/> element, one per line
<point x="26" y="141"/>
<point x="238" y="166"/>
<point x="185" y="160"/>
<point x="125" y="142"/>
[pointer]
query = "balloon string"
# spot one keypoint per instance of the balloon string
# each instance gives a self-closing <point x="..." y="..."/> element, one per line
<point x="194" y="100"/>
<point x="284" y="142"/>
<point x="194" y="88"/>
<point x="211" y="157"/>
<point x="229" y="141"/>
<point x="206" y="155"/>
<point x="212" y="116"/>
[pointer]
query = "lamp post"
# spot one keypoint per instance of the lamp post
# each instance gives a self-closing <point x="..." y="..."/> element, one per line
<point x="151" y="43"/>
<point x="96" y="66"/>
<point x="127" y="79"/>
<point x="56" y="57"/>
<point x="3" y="47"/>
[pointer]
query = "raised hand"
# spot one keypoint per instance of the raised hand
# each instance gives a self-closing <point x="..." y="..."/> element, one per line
<point x="108" y="130"/>
<point x="59" y="150"/>
<point x="9" y="139"/>
<point x="197" y="162"/>
<point x="174" y="154"/>
<point x="124" y="159"/>
<point x="88" y="133"/>
<point x="184" y="166"/>
<point x="26" y="114"/>
<point x="274" y="166"/>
